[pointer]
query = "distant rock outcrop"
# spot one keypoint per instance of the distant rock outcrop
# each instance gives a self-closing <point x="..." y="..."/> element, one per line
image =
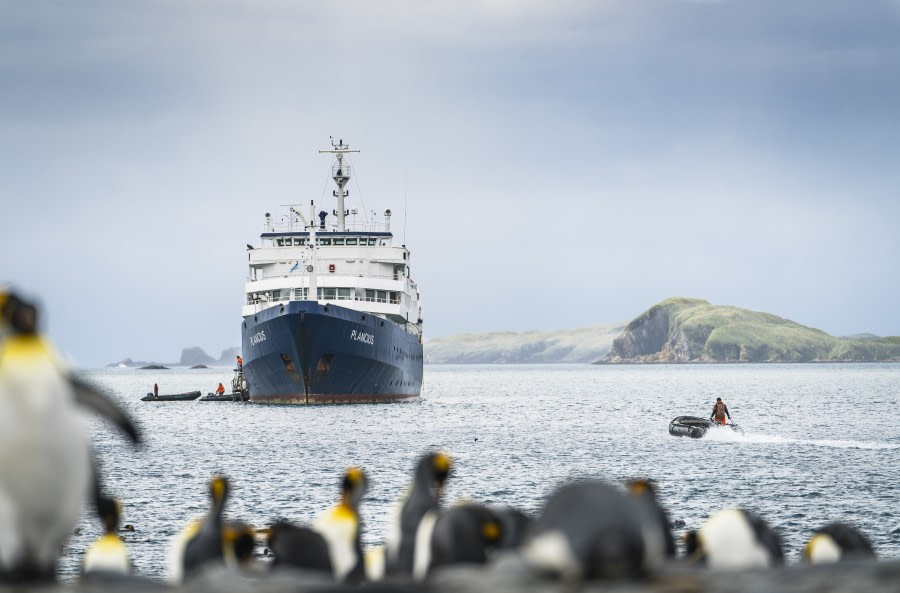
<point x="693" y="330"/>
<point x="229" y="355"/>
<point x="194" y="355"/>
<point x="588" y="344"/>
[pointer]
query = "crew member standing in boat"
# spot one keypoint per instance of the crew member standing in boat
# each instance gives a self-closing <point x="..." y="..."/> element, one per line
<point x="155" y="389"/>
<point x="719" y="411"/>
<point x="220" y="390"/>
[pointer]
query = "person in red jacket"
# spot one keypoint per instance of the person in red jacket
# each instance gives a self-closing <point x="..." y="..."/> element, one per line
<point x="719" y="411"/>
<point x="220" y="390"/>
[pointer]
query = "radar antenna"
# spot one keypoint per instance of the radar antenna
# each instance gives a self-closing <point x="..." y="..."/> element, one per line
<point x="340" y="172"/>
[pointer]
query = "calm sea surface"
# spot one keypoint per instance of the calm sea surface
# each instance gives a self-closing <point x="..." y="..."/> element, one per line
<point x="822" y="443"/>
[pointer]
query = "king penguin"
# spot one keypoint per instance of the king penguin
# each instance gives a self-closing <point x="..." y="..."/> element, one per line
<point x="108" y="554"/>
<point x="203" y="542"/>
<point x="837" y="542"/>
<point x="341" y="527"/>
<point x="655" y="518"/>
<point x="468" y="533"/>
<point x="46" y="467"/>
<point x="735" y="539"/>
<point x="587" y="530"/>
<point x="418" y="511"/>
<point x="295" y="546"/>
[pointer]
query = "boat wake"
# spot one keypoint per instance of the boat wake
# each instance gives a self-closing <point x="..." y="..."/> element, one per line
<point x="731" y="436"/>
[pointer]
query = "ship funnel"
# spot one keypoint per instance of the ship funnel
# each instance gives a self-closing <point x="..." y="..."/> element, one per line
<point x="387" y="220"/>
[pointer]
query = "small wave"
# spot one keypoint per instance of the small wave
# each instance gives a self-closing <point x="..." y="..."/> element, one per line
<point x="731" y="436"/>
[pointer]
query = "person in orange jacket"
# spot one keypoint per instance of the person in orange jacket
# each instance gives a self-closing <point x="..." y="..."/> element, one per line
<point x="220" y="390"/>
<point x="719" y="411"/>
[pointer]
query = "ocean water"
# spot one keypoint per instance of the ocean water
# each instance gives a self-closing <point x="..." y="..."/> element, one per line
<point x="821" y="444"/>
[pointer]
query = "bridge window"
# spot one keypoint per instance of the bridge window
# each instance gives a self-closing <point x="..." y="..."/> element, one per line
<point x="343" y="294"/>
<point x="299" y="241"/>
<point x="373" y="241"/>
<point x="351" y="241"/>
<point x="325" y="241"/>
<point x="338" y="241"/>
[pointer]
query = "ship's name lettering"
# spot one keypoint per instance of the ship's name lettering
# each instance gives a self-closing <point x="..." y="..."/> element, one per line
<point x="362" y="337"/>
<point x="257" y="338"/>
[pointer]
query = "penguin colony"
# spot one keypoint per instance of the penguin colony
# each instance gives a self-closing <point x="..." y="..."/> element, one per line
<point x="587" y="529"/>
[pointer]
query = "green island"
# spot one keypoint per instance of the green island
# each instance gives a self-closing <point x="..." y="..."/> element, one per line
<point x="686" y="330"/>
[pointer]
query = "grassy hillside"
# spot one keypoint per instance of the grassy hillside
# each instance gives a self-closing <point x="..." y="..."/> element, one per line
<point x="588" y="344"/>
<point x="693" y="330"/>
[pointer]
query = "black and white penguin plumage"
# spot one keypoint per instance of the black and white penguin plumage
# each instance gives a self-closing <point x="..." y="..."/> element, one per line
<point x="46" y="467"/>
<point x="837" y="542"/>
<point x="108" y="554"/>
<point x="515" y="526"/>
<point x="588" y="530"/>
<point x="342" y="529"/>
<point x="294" y="546"/>
<point x="421" y="504"/>
<point x="465" y="534"/>
<point x="735" y="539"/>
<point x="203" y="542"/>
<point x="659" y="534"/>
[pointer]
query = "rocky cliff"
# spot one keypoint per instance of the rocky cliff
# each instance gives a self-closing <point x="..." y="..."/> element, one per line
<point x="693" y="330"/>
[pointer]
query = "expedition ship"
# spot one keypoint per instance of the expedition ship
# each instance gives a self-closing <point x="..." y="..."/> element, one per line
<point x="331" y="313"/>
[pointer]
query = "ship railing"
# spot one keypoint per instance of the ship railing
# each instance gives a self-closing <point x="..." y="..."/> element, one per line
<point x="298" y="274"/>
<point x="350" y="225"/>
<point x="291" y="297"/>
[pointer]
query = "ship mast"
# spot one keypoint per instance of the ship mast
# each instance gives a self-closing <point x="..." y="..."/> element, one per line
<point x="340" y="172"/>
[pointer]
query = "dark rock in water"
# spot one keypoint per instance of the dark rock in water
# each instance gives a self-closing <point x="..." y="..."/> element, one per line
<point x="199" y="366"/>
<point x="155" y="367"/>
<point x="678" y="524"/>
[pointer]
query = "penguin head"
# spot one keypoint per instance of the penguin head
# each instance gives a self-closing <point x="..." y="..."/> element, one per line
<point x="238" y="541"/>
<point x="218" y="490"/>
<point x="20" y="316"/>
<point x="432" y="472"/>
<point x="642" y="487"/>
<point x="110" y="511"/>
<point x="353" y="487"/>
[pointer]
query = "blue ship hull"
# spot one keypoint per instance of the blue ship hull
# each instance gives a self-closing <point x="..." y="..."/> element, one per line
<point x="303" y="352"/>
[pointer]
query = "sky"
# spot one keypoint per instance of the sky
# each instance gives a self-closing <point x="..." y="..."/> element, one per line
<point x="550" y="165"/>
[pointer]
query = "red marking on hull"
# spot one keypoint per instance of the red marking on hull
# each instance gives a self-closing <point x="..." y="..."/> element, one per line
<point x="322" y="398"/>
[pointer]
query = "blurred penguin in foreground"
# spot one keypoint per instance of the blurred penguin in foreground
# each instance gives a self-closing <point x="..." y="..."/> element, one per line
<point x="418" y="508"/>
<point x="333" y="545"/>
<point x="46" y="468"/>
<point x="210" y="543"/>
<point x="108" y="555"/>
<point x="590" y="530"/>
<point x="837" y="542"/>
<point x="656" y="519"/>
<point x="734" y="539"/>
